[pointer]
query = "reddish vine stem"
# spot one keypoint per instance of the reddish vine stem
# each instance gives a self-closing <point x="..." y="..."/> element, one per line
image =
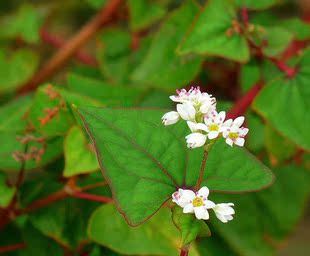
<point x="57" y="196"/>
<point x="12" y="247"/>
<point x="71" y="47"/>
<point x="244" y="102"/>
<point x="184" y="251"/>
<point x="202" y="170"/>
<point x="58" y="42"/>
<point x="90" y="197"/>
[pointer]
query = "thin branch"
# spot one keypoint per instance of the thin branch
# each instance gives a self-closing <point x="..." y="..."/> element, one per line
<point x="91" y="197"/>
<point x="202" y="170"/>
<point x="184" y="251"/>
<point x="71" y="47"/>
<point x="245" y="101"/>
<point x="58" y="42"/>
<point x="12" y="247"/>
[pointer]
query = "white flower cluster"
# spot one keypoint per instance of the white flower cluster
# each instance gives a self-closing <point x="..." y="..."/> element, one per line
<point x="199" y="110"/>
<point x="199" y="204"/>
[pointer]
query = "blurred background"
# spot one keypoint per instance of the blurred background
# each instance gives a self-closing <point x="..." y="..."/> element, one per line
<point x="113" y="53"/>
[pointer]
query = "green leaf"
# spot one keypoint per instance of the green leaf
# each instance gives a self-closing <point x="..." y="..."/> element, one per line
<point x="250" y="74"/>
<point x="209" y="33"/>
<point x="299" y="28"/>
<point x="26" y="23"/>
<point x="278" y="148"/>
<point x="291" y="122"/>
<point x="6" y="193"/>
<point x="49" y="113"/>
<point x="255" y="140"/>
<point x="79" y="157"/>
<point x="37" y="244"/>
<point x="107" y="94"/>
<point x="12" y="115"/>
<point x="137" y="152"/>
<point x="265" y="213"/>
<point x="162" y="67"/>
<point x="144" y="13"/>
<point x="278" y="39"/>
<point x="189" y="226"/>
<point x="16" y="69"/>
<point x="256" y="5"/>
<point x="156" y="237"/>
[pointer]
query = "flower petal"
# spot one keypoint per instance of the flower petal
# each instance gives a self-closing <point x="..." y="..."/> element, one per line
<point x="213" y="134"/>
<point x="229" y="142"/>
<point x="189" y="208"/>
<point x="188" y="194"/>
<point x="201" y="213"/>
<point x="208" y="204"/>
<point x="204" y="191"/>
<point x="240" y="142"/>
<point x="238" y="121"/>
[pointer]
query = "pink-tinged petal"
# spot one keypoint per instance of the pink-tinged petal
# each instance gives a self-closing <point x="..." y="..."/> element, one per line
<point x="213" y="134"/>
<point x="221" y="117"/>
<point x="189" y="208"/>
<point x="188" y="195"/>
<point x="201" y="213"/>
<point x="238" y="121"/>
<point x="204" y="191"/>
<point x="229" y="142"/>
<point x="208" y="204"/>
<point x="240" y="142"/>
<point x="225" y="133"/>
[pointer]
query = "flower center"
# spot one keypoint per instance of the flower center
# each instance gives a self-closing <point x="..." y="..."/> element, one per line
<point x="198" y="201"/>
<point x="213" y="127"/>
<point x="233" y="135"/>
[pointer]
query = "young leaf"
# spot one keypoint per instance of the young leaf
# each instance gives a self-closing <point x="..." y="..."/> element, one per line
<point x="6" y="193"/>
<point x="190" y="227"/>
<point x="292" y="122"/>
<point x="49" y="113"/>
<point x="79" y="157"/>
<point x="162" y="67"/>
<point x="137" y="152"/>
<point x="144" y="13"/>
<point x="134" y="241"/>
<point x="213" y="33"/>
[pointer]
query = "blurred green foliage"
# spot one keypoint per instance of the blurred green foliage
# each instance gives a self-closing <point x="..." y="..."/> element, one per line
<point x="149" y="49"/>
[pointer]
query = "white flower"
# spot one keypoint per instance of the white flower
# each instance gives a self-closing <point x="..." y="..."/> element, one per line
<point x="195" y="140"/>
<point x="170" y="118"/>
<point x="198" y="203"/>
<point x="186" y="111"/>
<point x="214" y="124"/>
<point x="224" y="212"/>
<point x="234" y="133"/>
<point x="180" y="198"/>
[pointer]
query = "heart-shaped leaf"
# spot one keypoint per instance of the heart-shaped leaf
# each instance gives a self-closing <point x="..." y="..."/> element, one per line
<point x="137" y="153"/>
<point x="287" y="113"/>
<point x="214" y="33"/>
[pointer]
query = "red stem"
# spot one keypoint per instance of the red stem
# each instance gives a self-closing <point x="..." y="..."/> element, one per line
<point x="184" y="252"/>
<point x="245" y="16"/>
<point x="290" y="72"/>
<point x="13" y="247"/>
<point x="90" y="197"/>
<point x="244" y="102"/>
<point x="59" y="42"/>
